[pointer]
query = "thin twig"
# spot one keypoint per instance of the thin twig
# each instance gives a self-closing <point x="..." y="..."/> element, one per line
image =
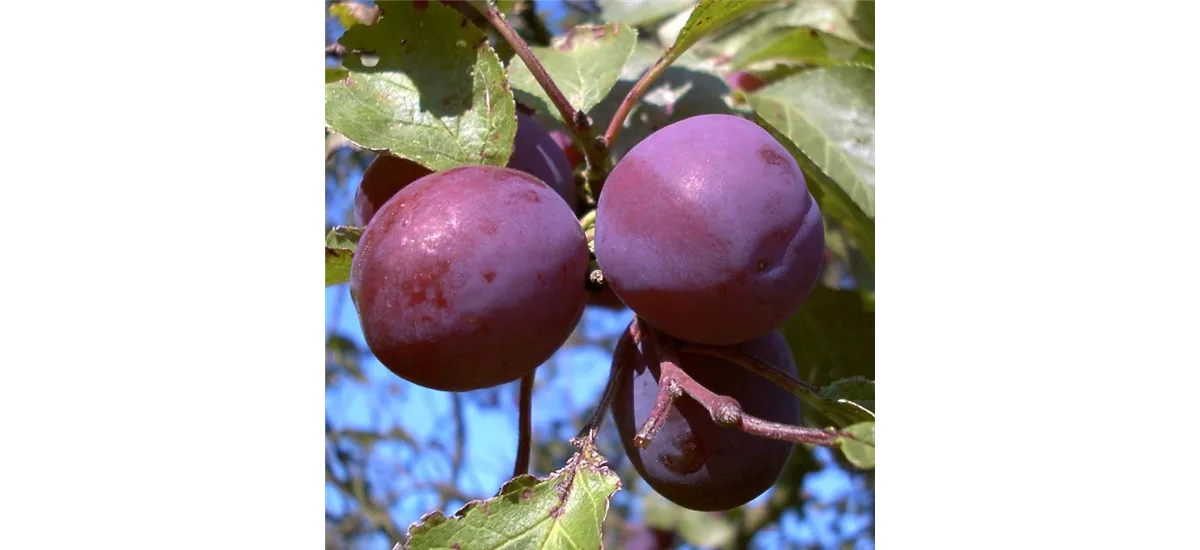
<point x="635" y="93"/>
<point x="576" y="121"/>
<point x="525" y="427"/>
<point x="460" y="438"/>
<point x="809" y="394"/>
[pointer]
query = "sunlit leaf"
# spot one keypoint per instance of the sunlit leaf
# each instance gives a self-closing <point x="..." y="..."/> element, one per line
<point x="584" y="63"/>
<point x="562" y="510"/>
<point x="431" y="90"/>
<point x="859" y="445"/>
<point x="829" y="114"/>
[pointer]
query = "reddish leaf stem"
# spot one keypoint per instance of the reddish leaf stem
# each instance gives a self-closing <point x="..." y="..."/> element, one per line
<point x="673" y="382"/>
<point x="639" y="89"/>
<point x="576" y="121"/>
<point x="811" y="395"/>
<point x="525" y="426"/>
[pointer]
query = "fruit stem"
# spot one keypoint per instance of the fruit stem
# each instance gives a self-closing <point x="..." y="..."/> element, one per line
<point x="576" y="121"/>
<point x="592" y="427"/>
<point x="525" y="426"/>
<point x="673" y="382"/>
<point x="811" y="395"/>
<point x="639" y="89"/>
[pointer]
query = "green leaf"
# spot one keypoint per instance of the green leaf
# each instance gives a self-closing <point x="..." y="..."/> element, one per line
<point x="340" y="243"/>
<point x="835" y="204"/>
<point x="836" y="17"/>
<point x="585" y="63"/>
<point x="435" y="93"/>
<point x="343" y="236"/>
<point x="855" y="388"/>
<point x="829" y="114"/>
<point x="832" y="336"/>
<point x="562" y="510"/>
<point x="858" y="444"/>
<point x="334" y="74"/>
<point x="802" y="46"/>
<point x="863" y="20"/>
<point x="709" y="16"/>
<point x="640" y="12"/>
<point x="840" y="18"/>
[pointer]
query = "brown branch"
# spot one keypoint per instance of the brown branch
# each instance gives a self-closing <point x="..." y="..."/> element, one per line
<point x="576" y="121"/>
<point x="525" y="426"/>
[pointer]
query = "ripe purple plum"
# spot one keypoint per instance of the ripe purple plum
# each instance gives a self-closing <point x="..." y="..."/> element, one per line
<point x="534" y="152"/>
<point x="694" y="462"/>
<point x="707" y="231"/>
<point x="470" y="278"/>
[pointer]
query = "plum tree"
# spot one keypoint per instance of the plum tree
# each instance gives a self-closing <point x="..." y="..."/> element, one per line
<point x="469" y="278"/>
<point x="534" y="152"/>
<point x="694" y="462"/>
<point x="707" y="231"/>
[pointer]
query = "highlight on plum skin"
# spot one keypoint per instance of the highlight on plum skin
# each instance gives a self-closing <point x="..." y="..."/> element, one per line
<point x="693" y="462"/>
<point x="470" y="278"/>
<point x="707" y="230"/>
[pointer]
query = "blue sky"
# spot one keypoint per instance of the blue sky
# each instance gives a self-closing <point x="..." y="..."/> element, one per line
<point x="491" y="432"/>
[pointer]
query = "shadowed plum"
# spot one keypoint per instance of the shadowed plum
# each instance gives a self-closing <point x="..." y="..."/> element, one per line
<point x="707" y="231"/>
<point x="534" y="152"/>
<point x="692" y="461"/>
<point x="383" y="178"/>
<point x="469" y="278"/>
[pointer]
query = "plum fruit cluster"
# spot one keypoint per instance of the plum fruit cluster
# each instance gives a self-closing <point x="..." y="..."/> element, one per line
<point x="470" y="277"/>
<point x="707" y="231"/>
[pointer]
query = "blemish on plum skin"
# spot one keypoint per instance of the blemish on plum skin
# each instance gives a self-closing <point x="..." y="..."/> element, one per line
<point x="488" y="227"/>
<point x="532" y="196"/>
<point x="690" y="458"/>
<point x="770" y="156"/>
<point x="762" y="265"/>
<point x="489" y="276"/>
